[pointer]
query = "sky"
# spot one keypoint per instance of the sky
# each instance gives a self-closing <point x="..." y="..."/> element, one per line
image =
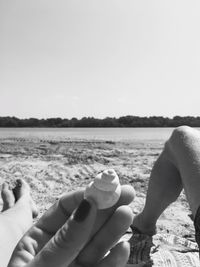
<point x="100" y="58"/>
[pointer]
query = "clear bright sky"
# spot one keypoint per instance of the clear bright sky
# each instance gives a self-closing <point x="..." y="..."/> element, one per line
<point x="75" y="58"/>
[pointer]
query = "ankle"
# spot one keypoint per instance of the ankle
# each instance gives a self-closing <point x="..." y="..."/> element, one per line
<point x="144" y="226"/>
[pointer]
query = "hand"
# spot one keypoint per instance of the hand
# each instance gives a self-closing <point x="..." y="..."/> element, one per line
<point x="67" y="236"/>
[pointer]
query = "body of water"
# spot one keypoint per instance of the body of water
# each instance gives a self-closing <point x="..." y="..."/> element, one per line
<point x="115" y="134"/>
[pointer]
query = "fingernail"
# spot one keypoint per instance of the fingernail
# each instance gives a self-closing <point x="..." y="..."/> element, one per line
<point x="83" y="211"/>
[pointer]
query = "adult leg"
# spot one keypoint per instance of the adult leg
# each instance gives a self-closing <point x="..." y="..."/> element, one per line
<point x="15" y="219"/>
<point x="177" y="167"/>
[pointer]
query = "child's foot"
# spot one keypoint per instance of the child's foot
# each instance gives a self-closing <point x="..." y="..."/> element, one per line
<point x="140" y="249"/>
<point x="141" y="242"/>
<point x="22" y="190"/>
<point x="7" y="197"/>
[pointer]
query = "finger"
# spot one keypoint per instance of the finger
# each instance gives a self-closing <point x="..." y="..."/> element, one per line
<point x="107" y="236"/>
<point x="117" y="257"/>
<point x="127" y="196"/>
<point x="64" y="247"/>
<point x="56" y="216"/>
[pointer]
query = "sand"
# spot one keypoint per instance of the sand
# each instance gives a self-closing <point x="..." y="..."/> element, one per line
<point x="52" y="167"/>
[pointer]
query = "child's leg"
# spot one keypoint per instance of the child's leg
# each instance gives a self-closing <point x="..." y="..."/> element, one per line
<point x="178" y="166"/>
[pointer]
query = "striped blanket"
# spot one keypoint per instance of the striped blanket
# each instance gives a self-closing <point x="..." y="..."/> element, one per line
<point x="164" y="251"/>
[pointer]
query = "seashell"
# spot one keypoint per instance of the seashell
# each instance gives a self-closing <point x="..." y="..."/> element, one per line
<point x="105" y="189"/>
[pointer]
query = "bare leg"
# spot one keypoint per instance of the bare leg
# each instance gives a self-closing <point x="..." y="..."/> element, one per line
<point x="177" y="167"/>
<point x="15" y="219"/>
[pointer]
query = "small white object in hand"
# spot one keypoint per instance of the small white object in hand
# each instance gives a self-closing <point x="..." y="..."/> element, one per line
<point x="105" y="190"/>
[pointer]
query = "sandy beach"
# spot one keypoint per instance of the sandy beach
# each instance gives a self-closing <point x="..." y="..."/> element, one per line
<point x="53" y="167"/>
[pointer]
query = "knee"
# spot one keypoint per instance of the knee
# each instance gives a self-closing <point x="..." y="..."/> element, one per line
<point x="182" y="136"/>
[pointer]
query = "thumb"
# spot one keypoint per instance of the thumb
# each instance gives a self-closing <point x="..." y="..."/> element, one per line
<point x="64" y="247"/>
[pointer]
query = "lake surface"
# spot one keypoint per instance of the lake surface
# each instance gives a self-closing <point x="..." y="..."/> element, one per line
<point x="115" y="134"/>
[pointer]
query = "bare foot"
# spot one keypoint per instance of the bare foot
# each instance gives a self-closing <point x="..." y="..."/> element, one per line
<point x="22" y="190"/>
<point x="7" y="197"/>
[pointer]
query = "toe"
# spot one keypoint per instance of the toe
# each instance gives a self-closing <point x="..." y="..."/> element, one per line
<point x="20" y="189"/>
<point x="7" y="197"/>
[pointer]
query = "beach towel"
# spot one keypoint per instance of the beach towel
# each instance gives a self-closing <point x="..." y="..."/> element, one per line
<point x="165" y="250"/>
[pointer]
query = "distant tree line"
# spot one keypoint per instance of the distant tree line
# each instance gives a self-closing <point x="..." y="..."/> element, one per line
<point x="125" y="121"/>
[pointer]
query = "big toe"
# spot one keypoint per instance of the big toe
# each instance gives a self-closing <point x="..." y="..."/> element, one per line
<point x="23" y="189"/>
<point x="20" y="189"/>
